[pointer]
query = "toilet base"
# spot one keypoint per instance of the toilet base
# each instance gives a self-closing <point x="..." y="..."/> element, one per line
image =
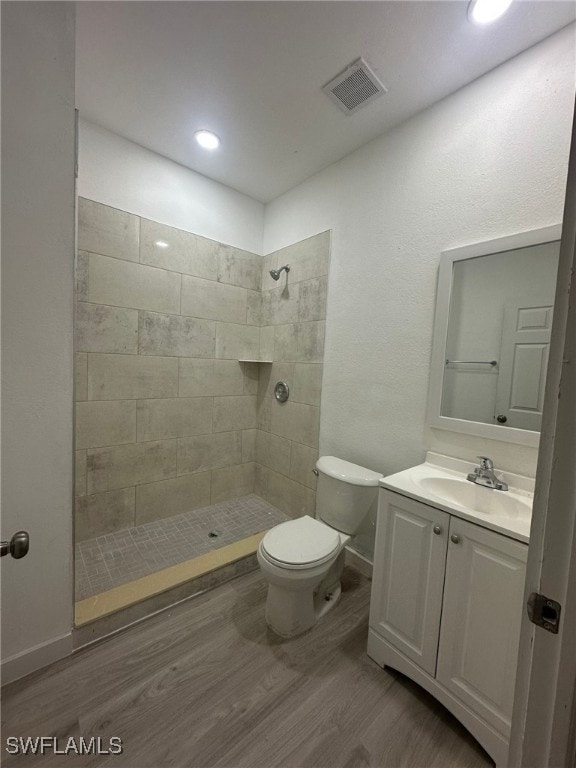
<point x="328" y="601"/>
<point x="292" y="611"/>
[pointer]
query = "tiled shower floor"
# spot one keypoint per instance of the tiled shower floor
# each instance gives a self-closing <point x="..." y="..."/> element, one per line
<point x="116" y="558"/>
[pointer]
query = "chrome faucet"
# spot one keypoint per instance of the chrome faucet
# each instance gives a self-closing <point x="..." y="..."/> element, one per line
<point x="484" y="475"/>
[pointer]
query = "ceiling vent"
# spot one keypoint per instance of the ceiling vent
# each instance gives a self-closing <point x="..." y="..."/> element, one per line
<point x="354" y="88"/>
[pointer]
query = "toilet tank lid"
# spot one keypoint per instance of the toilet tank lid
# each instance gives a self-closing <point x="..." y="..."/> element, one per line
<point x="347" y="472"/>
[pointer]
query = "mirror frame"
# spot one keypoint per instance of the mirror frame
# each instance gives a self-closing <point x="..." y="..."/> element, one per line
<point x="440" y="336"/>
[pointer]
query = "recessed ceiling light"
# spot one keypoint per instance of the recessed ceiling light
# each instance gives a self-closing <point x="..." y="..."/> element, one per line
<point x="207" y="139"/>
<point x="486" y="11"/>
<point x="161" y="244"/>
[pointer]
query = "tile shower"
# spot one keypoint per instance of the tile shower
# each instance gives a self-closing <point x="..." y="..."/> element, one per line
<point x="178" y="434"/>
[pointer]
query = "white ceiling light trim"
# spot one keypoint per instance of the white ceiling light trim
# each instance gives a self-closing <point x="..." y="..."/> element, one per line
<point x="487" y="11"/>
<point x="207" y="139"/>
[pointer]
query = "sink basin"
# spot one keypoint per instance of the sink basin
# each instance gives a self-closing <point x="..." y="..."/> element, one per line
<point x="441" y="482"/>
<point x="476" y="498"/>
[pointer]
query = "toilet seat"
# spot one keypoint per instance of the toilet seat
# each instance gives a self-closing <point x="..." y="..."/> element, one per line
<point x="300" y="543"/>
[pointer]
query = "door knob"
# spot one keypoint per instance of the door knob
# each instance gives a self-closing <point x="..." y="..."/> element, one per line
<point x="455" y="538"/>
<point x="18" y="545"/>
<point x="501" y="419"/>
<point x="437" y="530"/>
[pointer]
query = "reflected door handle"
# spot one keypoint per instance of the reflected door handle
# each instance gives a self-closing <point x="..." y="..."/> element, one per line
<point x="18" y="545"/>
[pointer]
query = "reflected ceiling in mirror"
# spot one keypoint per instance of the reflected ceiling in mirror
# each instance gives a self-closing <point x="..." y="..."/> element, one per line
<point x="492" y="336"/>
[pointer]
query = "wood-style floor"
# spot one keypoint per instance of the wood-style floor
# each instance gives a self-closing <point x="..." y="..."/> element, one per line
<point x="206" y="685"/>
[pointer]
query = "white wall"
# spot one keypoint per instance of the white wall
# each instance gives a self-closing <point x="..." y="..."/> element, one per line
<point x="117" y="172"/>
<point x="488" y="161"/>
<point x="38" y="42"/>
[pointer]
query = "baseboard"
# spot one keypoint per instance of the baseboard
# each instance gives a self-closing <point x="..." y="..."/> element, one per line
<point x="359" y="562"/>
<point x="39" y="656"/>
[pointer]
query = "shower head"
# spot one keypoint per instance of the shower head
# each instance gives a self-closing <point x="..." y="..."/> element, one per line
<point x="277" y="272"/>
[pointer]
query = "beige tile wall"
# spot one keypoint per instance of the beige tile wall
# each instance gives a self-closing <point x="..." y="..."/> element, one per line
<point x="292" y="316"/>
<point x="166" y="415"/>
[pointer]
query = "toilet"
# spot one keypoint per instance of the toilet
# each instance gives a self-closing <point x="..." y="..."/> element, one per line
<point x="303" y="559"/>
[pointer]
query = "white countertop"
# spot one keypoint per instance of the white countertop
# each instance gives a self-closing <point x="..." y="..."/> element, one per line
<point x="441" y="482"/>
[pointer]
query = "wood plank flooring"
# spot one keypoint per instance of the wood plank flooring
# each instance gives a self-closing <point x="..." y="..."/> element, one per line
<point x="207" y="685"/>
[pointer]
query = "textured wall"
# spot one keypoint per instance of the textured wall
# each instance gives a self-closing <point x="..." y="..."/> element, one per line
<point x="488" y="161"/>
<point x="165" y="412"/>
<point x="293" y="312"/>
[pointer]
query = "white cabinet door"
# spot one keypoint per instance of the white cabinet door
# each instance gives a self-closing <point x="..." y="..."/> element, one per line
<point x="409" y="576"/>
<point x="483" y="597"/>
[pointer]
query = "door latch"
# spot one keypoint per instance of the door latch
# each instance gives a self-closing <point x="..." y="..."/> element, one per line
<point x="544" y="612"/>
<point x="18" y="545"/>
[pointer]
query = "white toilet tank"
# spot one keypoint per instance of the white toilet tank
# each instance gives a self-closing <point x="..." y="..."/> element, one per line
<point x="345" y="493"/>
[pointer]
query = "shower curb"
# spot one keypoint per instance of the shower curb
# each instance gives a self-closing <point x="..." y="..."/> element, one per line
<point x="125" y="617"/>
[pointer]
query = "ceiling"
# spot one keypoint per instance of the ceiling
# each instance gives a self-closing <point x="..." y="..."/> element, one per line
<point x="252" y="72"/>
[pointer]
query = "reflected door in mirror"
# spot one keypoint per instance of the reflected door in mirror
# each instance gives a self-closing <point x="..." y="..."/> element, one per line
<point x="523" y="363"/>
<point x="498" y="335"/>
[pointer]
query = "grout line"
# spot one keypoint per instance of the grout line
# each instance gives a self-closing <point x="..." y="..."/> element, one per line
<point x="108" y="256"/>
<point x="139" y="239"/>
<point x="173" y="477"/>
<point x="179" y="229"/>
<point x="165" y="269"/>
<point x="194" y="317"/>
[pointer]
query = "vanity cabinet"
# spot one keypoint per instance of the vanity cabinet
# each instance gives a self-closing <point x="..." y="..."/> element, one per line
<point x="445" y="610"/>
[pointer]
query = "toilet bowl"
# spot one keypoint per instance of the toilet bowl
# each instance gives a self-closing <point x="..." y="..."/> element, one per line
<point x="303" y="559"/>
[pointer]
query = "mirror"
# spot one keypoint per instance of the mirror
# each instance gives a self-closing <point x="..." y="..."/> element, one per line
<point x="492" y="334"/>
